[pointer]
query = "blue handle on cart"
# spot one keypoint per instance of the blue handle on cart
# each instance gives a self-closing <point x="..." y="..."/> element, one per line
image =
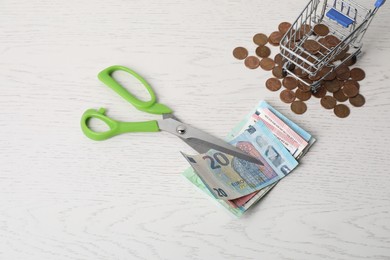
<point x="379" y="3"/>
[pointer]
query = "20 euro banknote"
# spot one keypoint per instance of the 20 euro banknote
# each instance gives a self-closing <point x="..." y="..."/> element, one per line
<point x="229" y="178"/>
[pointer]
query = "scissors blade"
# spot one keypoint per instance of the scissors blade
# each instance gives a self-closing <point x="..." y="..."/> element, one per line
<point x="200" y="140"/>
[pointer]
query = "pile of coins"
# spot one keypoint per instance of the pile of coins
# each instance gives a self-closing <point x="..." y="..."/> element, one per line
<point x="337" y="87"/>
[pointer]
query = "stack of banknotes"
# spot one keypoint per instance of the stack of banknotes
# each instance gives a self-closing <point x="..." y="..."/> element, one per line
<point x="237" y="184"/>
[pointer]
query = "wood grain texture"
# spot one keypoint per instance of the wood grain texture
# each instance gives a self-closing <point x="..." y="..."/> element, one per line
<point x="63" y="196"/>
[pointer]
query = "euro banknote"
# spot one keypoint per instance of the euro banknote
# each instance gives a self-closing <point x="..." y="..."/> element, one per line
<point x="239" y="205"/>
<point x="229" y="177"/>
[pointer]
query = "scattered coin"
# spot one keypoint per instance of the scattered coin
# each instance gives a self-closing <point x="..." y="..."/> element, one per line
<point x="343" y="72"/>
<point x="352" y="82"/>
<point x="341" y="111"/>
<point x="333" y="85"/>
<point x="287" y="96"/>
<point x="312" y="46"/>
<point x="240" y="53"/>
<point x="303" y="96"/>
<point x="260" y="39"/>
<point x="328" y="102"/>
<point x="278" y="72"/>
<point x="273" y="84"/>
<point x="283" y="27"/>
<point x="304" y="87"/>
<point x="275" y="38"/>
<point x="350" y="90"/>
<point x="357" y="101"/>
<point x="290" y="83"/>
<point x="321" y="29"/>
<point x="263" y="51"/>
<point x="298" y="107"/>
<point x="340" y="96"/>
<point x="267" y="64"/>
<point x="252" y="62"/>
<point x="357" y="74"/>
<point x="320" y="92"/>
<point x="279" y="59"/>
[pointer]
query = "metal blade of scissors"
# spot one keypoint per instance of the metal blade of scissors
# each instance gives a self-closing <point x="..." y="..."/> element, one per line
<point x="199" y="140"/>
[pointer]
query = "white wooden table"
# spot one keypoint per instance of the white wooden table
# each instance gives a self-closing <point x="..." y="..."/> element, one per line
<point x="63" y="196"/>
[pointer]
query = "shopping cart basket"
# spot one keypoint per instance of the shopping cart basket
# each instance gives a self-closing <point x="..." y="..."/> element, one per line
<point x="347" y="22"/>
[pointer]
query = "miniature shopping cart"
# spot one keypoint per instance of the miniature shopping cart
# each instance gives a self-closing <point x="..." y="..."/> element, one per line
<point x="346" y="20"/>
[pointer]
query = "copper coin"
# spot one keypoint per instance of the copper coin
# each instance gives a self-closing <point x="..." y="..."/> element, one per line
<point x="298" y="107"/>
<point x="283" y="27"/>
<point x="339" y="96"/>
<point x="304" y="87"/>
<point x="260" y="39"/>
<point x="351" y="61"/>
<point x="299" y="35"/>
<point x="350" y="90"/>
<point x="305" y="28"/>
<point x="321" y="29"/>
<point x="328" y="102"/>
<point x="340" y="55"/>
<point x="320" y="92"/>
<point x="300" y="72"/>
<point x="315" y="77"/>
<point x="278" y="72"/>
<point x="273" y="84"/>
<point x="290" y="45"/>
<point x="240" y="53"/>
<point x="331" y="76"/>
<point x="279" y="59"/>
<point x="352" y="82"/>
<point x="325" y="70"/>
<point x="324" y="46"/>
<point x="290" y="82"/>
<point x="357" y="74"/>
<point x="267" y="64"/>
<point x="332" y="40"/>
<point x="287" y="96"/>
<point x="312" y="46"/>
<point x="263" y="51"/>
<point x="333" y="86"/>
<point x="341" y="111"/>
<point x="343" y="72"/>
<point x="290" y="66"/>
<point x="357" y="101"/>
<point x="252" y="62"/>
<point x="303" y="96"/>
<point x="275" y="38"/>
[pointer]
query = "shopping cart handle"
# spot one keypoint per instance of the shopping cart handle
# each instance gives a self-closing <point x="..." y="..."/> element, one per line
<point x="379" y="3"/>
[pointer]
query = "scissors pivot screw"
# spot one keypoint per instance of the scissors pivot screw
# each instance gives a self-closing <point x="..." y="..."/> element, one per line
<point x="181" y="129"/>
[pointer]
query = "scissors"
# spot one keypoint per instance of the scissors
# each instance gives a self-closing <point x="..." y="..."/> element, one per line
<point x="197" y="139"/>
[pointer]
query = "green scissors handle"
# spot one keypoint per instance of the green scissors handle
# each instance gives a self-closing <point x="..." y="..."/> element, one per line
<point x="150" y="106"/>
<point x="117" y="127"/>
